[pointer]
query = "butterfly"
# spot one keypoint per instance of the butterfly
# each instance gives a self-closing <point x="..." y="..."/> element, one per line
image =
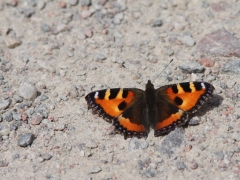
<point x="133" y="111"/>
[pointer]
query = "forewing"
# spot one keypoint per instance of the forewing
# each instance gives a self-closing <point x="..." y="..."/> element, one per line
<point x="175" y="102"/>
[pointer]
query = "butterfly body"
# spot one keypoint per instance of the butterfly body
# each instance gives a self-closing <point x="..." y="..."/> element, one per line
<point x="133" y="111"/>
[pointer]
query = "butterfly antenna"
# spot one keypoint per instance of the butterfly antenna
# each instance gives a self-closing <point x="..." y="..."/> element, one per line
<point x="163" y="69"/>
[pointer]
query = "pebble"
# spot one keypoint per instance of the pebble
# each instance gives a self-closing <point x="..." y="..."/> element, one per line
<point x="210" y="78"/>
<point x="1" y="119"/>
<point x="13" y="127"/>
<point x="27" y="91"/>
<point x="94" y="170"/>
<point x="85" y="14"/>
<point x="13" y="42"/>
<point x="133" y="144"/>
<point x="188" y="148"/>
<point x="193" y="165"/>
<point x="99" y="57"/>
<point x="24" y="117"/>
<point x="59" y="127"/>
<point x="149" y="173"/>
<point x="17" y="116"/>
<point x="36" y="119"/>
<point x="230" y="83"/>
<point x="88" y="33"/>
<point x="40" y="159"/>
<point x="9" y="117"/>
<point x="231" y="67"/>
<point x="180" y="165"/>
<point x="215" y="43"/>
<point x="4" y="104"/>
<point x="27" y="12"/>
<point x="171" y="142"/>
<point x="3" y="164"/>
<point x="46" y="65"/>
<point x="17" y="98"/>
<point x="118" y="18"/>
<point x="207" y="62"/>
<point x="43" y="97"/>
<point x="219" y="155"/>
<point x="194" y="121"/>
<point x="12" y="2"/>
<point x="26" y="139"/>
<point x="85" y="2"/>
<point x="15" y="156"/>
<point x="191" y="67"/>
<point x="188" y="41"/>
<point x="41" y="5"/>
<point x="45" y="28"/>
<point x="73" y="2"/>
<point x="144" y="144"/>
<point x="91" y="144"/>
<point x="46" y="156"/>
<point x="5" y="131"/>
<point x="157" y="23"/>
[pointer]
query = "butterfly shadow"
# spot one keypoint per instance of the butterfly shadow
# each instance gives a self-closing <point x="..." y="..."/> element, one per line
<point x="211" y="104"/>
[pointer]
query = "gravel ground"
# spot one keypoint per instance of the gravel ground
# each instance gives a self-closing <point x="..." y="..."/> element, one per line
<point x="54" y="52"/>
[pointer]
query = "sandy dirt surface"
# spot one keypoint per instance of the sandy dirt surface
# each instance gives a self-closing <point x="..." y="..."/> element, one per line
<point x="54" y="52"/>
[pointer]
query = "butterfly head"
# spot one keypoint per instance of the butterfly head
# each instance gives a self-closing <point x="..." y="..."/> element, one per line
<point x="149" y="85"/>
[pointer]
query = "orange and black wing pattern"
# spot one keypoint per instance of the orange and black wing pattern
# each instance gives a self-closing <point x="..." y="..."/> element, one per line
<point x="175" y="102"/>
<point x="123" y="107"/>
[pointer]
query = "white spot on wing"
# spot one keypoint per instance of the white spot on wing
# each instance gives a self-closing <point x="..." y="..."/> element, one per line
<point x="96" y="95"/>
<point x="203" y="85"/>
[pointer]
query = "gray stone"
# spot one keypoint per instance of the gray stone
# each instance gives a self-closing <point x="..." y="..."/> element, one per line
<point x="133" y="144"/>
<point x="15" y="156"/>
<point x="13" y="127"/>
<point x="85" y="2"/>
<point x="180" y="165"/>
<point x="232" y="67"/>
<point x="118" y="18"/>
<point x="4" y="104"/>
<point x="91" y="144"/>
<point x="41" y="5"/>
<point x="99" y="57"/>
<point x="171" y="142"/>
<point x="43" y="97"/>
<point x="94" y="170"/>
<point x="192" y="67"/>
<point x="9" y="117"/>
<point x="17" y="116"/>
<point x="157" y="23"/>
<point x="27" y="91"/>
<point x="188" y="41"/>
<point x="219" y="155"/>
<point x="144" y="144"/>
<point x="4" y="132"/>
<point x="59" y="127"/>
<point x="194" y="121"/>
<point x="27" y="12"/>
<point x="45" y="28"/>
<point x="73" y="2"/>
<point x="17" y="98"/>
<point x="149" y="173"/>
<point x="26" y="139"/>
<point x="46" y="156"/>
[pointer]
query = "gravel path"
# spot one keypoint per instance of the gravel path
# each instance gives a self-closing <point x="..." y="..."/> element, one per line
<point x="54" y="52"/>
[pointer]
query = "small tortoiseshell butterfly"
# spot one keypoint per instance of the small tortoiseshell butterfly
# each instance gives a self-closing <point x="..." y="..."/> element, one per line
<point x="133" y="110"/>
